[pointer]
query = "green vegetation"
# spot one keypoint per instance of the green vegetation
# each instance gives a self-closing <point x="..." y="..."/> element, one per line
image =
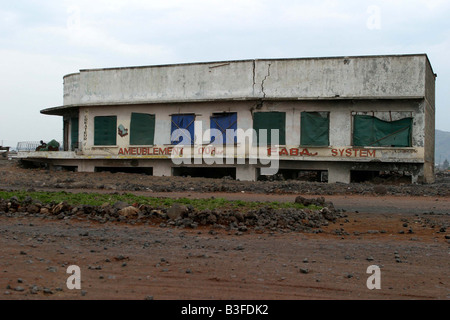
<point x="97" y="199"/>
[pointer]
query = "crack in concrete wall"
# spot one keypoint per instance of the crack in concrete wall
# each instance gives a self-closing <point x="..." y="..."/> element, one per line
<point x="263" y="80"/>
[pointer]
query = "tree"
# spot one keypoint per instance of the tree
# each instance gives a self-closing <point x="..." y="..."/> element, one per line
<point x="446" y="165"/>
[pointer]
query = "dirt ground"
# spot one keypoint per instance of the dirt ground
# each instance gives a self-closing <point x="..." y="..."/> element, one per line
<point x="405" y="235"/>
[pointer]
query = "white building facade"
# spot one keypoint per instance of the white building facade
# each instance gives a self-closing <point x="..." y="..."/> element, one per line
<point x="342" y="116"/>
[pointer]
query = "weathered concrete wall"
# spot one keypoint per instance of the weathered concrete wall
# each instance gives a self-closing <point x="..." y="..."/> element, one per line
<point x="203" y="112"/>
<point x="312" y="78"/>
<point x="430" y="84"/>
<point x="339" y="172"/>
<point x="352" y="77"/>
<point x="340" y="118"/>
<point x="246" y="173"/>
<point x="388" y="87"/>
<point x="204" y="81"/>
<point x="341" y="112"/>
<point x="429" y="143"/>
<point x="429" y="118"/>
<point x="72" y="92"/>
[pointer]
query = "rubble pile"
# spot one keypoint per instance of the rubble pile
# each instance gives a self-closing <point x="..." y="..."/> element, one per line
<point x="263" y="218"/>
<point x="14" y="176"/>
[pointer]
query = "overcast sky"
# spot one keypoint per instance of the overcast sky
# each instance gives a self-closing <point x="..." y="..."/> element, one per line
<point x="41" y="41"/>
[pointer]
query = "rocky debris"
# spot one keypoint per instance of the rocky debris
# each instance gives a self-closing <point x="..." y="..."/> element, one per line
<point x="304" y="270"/>
<point x="380" y="189"/>
<point x="176" y="211"/>
<point x="60" y="207"/>
<point x="262" y="218"/>
<point x="52" y="269"/>
<point x="179" y="215"/>
<point x="21" y="178"/>
<point x="129" y="211"/>
<point x="307" y="202"/>
<point x="47" y="291"/>
<point x="34" y="289"/>
<point x="121" y="258"/>
<point x="119" y="205"/>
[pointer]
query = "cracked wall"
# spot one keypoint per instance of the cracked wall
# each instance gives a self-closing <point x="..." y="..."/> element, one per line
<point x="314" y="78"/>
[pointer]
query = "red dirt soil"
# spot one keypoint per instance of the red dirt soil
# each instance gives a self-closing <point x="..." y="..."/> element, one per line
<point x="122" y="261"/>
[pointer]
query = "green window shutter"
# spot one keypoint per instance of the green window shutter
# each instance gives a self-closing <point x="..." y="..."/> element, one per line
<point x="315" y="129"/>
<point x="374" y="132"/>
<point x="74" y="133"/>
<point x="142" y="129"/>
<point x="270" y="120"/>
<point x="105" y="130"/>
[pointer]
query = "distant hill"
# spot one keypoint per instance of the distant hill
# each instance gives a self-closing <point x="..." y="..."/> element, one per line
<point x="442" y="139"/>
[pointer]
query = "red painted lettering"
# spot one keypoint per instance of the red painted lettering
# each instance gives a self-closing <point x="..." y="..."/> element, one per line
<point x="208" y="150"/>
<point x="293" y="152"/>
<point x="348" y="152"/>
<point x="283" y="152"/>
<point x="305" y="152"/>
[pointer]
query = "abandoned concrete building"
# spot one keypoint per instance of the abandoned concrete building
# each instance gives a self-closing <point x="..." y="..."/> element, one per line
<point x="342" y="118"/>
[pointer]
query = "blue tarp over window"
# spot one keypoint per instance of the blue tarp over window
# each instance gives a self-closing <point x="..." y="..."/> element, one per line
<point x="184" y="122"/>
<point x="224" y="122"/>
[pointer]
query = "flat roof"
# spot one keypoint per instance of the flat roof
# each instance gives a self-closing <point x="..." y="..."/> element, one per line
<point x="247" y="60"/>
<point x="291" y="83"/>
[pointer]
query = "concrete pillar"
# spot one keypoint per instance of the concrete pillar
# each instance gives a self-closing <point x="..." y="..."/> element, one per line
<point x="245" y="173"/>
<point x="428" y="172"/>
<point x="340" y="127"/>
<point x="338" y="172"/>
<point x="86" y="166"/>
<point x="162" y="168"/>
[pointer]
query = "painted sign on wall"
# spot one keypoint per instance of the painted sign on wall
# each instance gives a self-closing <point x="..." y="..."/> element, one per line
<point x="351" y="152"/>
<point x="282" y="151"/>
